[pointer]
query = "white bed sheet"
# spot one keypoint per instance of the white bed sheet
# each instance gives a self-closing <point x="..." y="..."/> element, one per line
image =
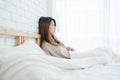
<point x="98" y="64"/>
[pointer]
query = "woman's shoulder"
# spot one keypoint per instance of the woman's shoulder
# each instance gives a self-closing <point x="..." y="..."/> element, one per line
<point x="45" y="43"/>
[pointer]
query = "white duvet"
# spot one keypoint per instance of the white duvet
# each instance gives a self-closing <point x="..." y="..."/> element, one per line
<point x="28" y="63"/>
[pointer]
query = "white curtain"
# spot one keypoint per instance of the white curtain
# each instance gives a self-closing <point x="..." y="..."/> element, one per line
<point x="87" y="24"/>
<point x="113" y="25"/>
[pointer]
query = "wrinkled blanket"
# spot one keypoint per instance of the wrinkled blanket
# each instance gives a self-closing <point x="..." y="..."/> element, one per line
<point x="87" y="65"/>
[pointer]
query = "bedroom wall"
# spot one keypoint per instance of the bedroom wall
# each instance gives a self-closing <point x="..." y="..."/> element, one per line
<point x="21" y="15"/>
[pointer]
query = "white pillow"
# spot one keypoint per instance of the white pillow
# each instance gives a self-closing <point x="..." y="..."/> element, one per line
<point x="27" y="48"/>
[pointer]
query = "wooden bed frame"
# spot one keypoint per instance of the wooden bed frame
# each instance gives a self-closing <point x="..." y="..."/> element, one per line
<point x="21" y="36"/>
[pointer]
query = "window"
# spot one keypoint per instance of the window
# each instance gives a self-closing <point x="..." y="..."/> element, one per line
<point x="86" y="24"/>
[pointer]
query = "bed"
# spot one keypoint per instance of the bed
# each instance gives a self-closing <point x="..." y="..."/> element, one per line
<point x="27" y="61"/>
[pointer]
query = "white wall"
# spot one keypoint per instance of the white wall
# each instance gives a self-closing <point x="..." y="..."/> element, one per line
<point x="21" y="15"/>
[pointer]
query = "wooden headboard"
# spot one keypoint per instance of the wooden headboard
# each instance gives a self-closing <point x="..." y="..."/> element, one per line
<point x="21" y="36"/>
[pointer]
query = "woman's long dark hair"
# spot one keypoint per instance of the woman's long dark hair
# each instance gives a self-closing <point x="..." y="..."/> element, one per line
<point x="44" y="23"/>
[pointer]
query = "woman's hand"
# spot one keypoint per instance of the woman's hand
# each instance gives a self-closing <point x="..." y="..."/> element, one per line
<point x="70" y="49"/>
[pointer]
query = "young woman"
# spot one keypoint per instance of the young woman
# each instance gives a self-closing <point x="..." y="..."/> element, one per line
<point x="49" y="42"/>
